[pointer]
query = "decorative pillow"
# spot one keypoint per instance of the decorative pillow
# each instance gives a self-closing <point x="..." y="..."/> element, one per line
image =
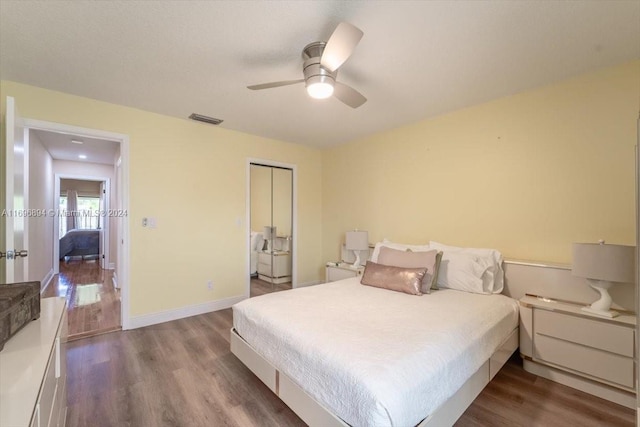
<point x="409" y="259"/>
<point x="494" y="279"/>
<point x="407" y="280"/>
<point x="398" y="246"/>
<point x="464" y="272"/>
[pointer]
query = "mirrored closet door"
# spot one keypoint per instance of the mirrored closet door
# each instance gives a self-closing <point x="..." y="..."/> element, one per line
<point x="271" y="228"/>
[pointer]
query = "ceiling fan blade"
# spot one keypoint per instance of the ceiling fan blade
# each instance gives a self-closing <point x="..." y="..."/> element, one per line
<point x="274" y="84"/>
<point x="348" y="95"/>
<point x="340" y="46"/>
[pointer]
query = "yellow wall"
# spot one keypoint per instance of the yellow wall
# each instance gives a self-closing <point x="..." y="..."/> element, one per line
<point x="528" y="174"/>
<point x="192" y="178"/>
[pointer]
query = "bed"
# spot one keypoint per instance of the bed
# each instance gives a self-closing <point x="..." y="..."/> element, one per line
<point x="343" y="353"/>
<point x="80" y="243"/>
<point x="255" y="246"/>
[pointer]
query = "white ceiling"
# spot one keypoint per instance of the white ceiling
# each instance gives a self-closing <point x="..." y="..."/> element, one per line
<point x="60" y="147"/>
<point x="416" y="59"/>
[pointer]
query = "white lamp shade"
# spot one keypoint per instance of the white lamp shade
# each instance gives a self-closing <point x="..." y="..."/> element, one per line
<point x="269" y="232"/>
<point x="357" y="240"/>
<point x="599" y="261"/>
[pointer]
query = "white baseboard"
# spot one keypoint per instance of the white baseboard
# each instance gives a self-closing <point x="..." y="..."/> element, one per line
<point x="182" y="312"/>
<point x="111" y="266"/>
<point x="114" y="279"/>
<point x="46" y="281"/>
<point x="315" y="282"/>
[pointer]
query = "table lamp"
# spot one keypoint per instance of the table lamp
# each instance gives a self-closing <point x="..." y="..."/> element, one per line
<point x="357" y="241"/>
<point x="603" y="266"/>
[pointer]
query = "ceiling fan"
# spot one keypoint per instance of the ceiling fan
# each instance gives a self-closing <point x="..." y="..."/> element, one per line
<point x="320" y="67"/>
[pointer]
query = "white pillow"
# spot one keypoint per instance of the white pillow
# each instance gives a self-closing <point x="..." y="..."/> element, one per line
<point x="398" y="246"/>
<point x="494" y="257"/>
<point x="256" y="241"/>
<point x="464" y="272"/>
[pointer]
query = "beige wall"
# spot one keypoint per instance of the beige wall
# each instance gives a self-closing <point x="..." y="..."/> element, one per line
<point x="527" y="174"/>
<point x="192" y="178"/>
<point x="40" y="198"/>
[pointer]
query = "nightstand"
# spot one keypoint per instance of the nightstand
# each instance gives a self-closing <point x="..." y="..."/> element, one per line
<point x="341" y="270"/>
<point x="281" y="272"/>
<point x="594" y="354"/>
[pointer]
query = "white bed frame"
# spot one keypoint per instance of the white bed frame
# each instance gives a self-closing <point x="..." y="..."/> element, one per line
<point x="314" y="414"/>
<point x="520" y="278"/>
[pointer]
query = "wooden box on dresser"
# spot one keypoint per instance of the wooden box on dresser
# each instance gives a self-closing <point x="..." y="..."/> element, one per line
<point x="33" y="370"/>
<point x="594" y="354"/>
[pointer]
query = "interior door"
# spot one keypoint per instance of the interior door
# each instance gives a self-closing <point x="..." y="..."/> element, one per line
<point x="101" y="225"/>
<point x="14" y="262"/>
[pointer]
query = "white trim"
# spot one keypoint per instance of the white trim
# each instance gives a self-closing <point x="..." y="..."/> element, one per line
<point x="123" y="196"/>
<point x="114" y="279"/>
<point x="111" y="266"/>
<point x="27" y="200"/>
<point x="294" y="219"/>
<point x="182" y="312"/>
<point x="46" y="281"/>
<point x="106" y="232"/>
<point x="538" y="264"/>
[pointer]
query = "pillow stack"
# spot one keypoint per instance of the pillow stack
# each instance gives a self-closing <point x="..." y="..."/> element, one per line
<point x="395" y="266"/>
<point x="474" y="270"/>
<point x="416" y="269"/>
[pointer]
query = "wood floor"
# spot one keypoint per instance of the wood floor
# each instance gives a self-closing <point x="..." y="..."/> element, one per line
<point x="93" y="304"/>
<point x="182" y="373"/>
<point x="260" y="287"/>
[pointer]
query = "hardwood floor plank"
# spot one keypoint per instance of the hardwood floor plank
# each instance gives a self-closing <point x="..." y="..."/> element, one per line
<point x="182" y="373"/>
<point x="93" y="303"/>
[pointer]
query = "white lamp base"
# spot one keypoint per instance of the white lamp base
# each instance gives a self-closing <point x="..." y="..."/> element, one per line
<point x="356" y="263"/>
<point x="602" y="306"/>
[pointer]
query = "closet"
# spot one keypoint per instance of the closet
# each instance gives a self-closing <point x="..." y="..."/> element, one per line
<point x="271" y="222"/>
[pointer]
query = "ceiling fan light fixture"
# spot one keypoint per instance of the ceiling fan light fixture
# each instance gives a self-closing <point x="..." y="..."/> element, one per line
<point x="319" y="87"/>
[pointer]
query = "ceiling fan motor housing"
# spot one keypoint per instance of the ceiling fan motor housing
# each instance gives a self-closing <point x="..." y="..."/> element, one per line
<point x="313" y="71"/>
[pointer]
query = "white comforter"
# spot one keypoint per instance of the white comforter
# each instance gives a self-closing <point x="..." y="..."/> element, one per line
<point x="375" y="357"/>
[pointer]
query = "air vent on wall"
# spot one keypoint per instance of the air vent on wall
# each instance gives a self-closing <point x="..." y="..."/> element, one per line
<point x="205" y="119"/>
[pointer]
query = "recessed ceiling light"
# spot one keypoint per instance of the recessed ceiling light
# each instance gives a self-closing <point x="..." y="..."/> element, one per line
<point x="75" y="141"/>
<point x="82" y="156"/>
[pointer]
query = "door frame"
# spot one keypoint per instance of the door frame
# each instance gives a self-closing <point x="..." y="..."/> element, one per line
<point x="8" y="168"/>
<point x="123" y="199"/>
<point x="294" y="219"/>
<point x="105" y="219"/>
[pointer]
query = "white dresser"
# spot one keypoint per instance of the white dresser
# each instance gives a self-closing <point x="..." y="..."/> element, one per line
<point x="33" y="370"/>
<point x="594" y="354"/>
<point x="281" y="272"/>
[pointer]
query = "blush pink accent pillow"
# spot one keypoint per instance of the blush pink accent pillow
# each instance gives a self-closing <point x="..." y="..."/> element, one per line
<point x="409" y="259"/>
<point x="407" y="280"/>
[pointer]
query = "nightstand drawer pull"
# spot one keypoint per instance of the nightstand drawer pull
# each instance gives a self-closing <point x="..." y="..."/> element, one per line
<point x="591" y="333"/>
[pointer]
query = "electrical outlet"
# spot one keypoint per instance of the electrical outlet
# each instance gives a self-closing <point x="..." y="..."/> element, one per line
<point x="210" y="285"/>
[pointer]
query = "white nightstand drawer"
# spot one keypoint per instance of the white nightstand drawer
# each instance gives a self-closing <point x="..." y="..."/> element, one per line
<point x="597" y="363"/>
<point x="592" y="333"/>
